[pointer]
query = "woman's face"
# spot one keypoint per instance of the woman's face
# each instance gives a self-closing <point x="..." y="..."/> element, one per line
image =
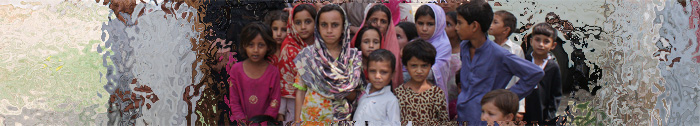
<point x="401" y="37"/>
<point x="425" y="26"/>
<point x="304" y="24"/>
<point x="380" y="20"/>
<point x="330" y="25"/>
<point x="279" y="31"/>
<point x="370" y="42"/>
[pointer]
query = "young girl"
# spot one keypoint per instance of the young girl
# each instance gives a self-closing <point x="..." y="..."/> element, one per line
<point x="380" y="17"/>
<point x="255" y="88"/>
<point x="300" y="29"/>
<point x="499" y="105"/>
<point x="405" y="32"/>
<point x="329" y="71"/>
<point x="420" y="101"/>
<point x="455" y="62"/>
<point x="369" y="41"/>
<point x="379" y="107"/>
<point x="430" y="20"/>
<point x="277" y="20"/>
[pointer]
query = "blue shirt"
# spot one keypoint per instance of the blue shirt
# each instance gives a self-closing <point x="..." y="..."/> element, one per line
<point x="491" y="68"/>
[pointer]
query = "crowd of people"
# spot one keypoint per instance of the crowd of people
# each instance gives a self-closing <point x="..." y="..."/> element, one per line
<point x="322" y="63"/>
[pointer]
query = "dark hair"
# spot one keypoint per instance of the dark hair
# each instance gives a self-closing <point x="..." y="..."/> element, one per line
<point x="478" y="11"/>
<point x="509" y="20"/>
<point x="276" y="15"/>
<point x="378" y="7"/>
<point x="362" y="31"/>
<point x="409" y="28"/>
<point x="305" y="7"/>
<point x="544" y="29"/>
<point x="251" y="31"/>
<point x="328" y="8"/>
<point x="425" y="10"/>
<point x="451" y="14"/>
<point x="420" y="49"/>
<point x="383" y="55"/>
<point x="505" y="100"/>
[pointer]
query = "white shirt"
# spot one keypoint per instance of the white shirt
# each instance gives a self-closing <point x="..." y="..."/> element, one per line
<point x="380" y="108"/>
<point x="518" y="51"/>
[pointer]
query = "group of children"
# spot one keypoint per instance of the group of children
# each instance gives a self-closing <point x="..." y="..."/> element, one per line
<point x="303" y="65"/>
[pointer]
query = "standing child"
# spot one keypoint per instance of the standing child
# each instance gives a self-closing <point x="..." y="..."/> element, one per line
<point x="421" y="101"/>
<point x="255" y="84"/>
<point x="300" y="29"/>
<point x="430" y="22"/>
<point x="485" y="65"/>
<point x="541" y="106"/>
<point x="277" y="20"/>
<point x="455" y="63"/>
<point x="368" y="40"/>
<point x="379" y="106"/>
<point x="502" y="27"/>
<point x="499" y="105"/>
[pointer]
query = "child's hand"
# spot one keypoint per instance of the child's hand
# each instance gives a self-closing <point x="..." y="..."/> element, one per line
<point x="280" y="117"/>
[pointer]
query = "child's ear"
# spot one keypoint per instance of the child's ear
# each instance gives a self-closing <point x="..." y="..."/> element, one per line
<point x="505" y="32"/>
<point x="554" y="45"/>
<point x="510" y="117"/>
<point x="476" y="26"/>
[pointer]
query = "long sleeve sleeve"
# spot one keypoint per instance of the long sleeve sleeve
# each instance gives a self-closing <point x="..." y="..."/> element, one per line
<point x="556" y="88"/>
<point x="235" y="100"/>
<point x="529" y="74"/>
<point x="441" y="113"/>
<point x="274" y="96"/>
<point x="394" y="113"/>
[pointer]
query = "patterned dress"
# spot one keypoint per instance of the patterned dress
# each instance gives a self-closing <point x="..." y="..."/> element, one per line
<point x="425" y="108"/>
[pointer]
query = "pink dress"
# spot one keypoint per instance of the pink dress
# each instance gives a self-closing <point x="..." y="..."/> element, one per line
<point x="251" y="97"/>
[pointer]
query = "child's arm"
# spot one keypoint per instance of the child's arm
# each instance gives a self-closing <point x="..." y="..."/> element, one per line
<point x="556" y="86"/>
<point x="393" y="111"/>
<point x="235" y="102"/>
<point x="529" y="74"/>
<point x="274" y="97"/>
<point x="300" y="94"/>
<point x="441" y="105"/>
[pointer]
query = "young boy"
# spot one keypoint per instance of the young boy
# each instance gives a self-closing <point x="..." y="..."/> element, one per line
<point x="379" y="106"/>
<point x="541" y="105"/>
<point x="485" y="65"/>
<point x="502" y="27"/>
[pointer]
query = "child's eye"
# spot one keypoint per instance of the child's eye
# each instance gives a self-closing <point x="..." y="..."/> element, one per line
<point x="335" y="25"/>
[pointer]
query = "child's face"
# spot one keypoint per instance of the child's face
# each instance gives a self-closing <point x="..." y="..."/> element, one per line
<point x="257" y="49"/>
<point x="425" y="26"/>
<point x="330" y="26"/>
<point x="401" y="37"/>
<point x="542" y="44"/>
<point x="304" y="24"/>
<point x="464" y="29"/>
<point x="497" y="27"/>
<point x="380" y="20"/>
<point x="370" y="42"/>
<point x="490" y="113"/>
<point x="279" y="30"/>
<point x="450" y="28"/>
<point x="418" y="69"/>
<point x="379" y="73"/>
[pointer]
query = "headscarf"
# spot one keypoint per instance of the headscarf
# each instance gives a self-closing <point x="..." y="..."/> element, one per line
<point x="440" y="69"/>
<point x="330" y="78"/>
<point x="289" y="49"/>
<point x="390" y="43"/>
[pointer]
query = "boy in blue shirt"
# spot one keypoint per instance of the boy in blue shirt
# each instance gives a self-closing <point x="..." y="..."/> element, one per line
<point x="486" y="66"/>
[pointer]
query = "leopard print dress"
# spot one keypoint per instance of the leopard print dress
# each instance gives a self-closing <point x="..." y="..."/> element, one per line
<point x="428" y="107"/>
